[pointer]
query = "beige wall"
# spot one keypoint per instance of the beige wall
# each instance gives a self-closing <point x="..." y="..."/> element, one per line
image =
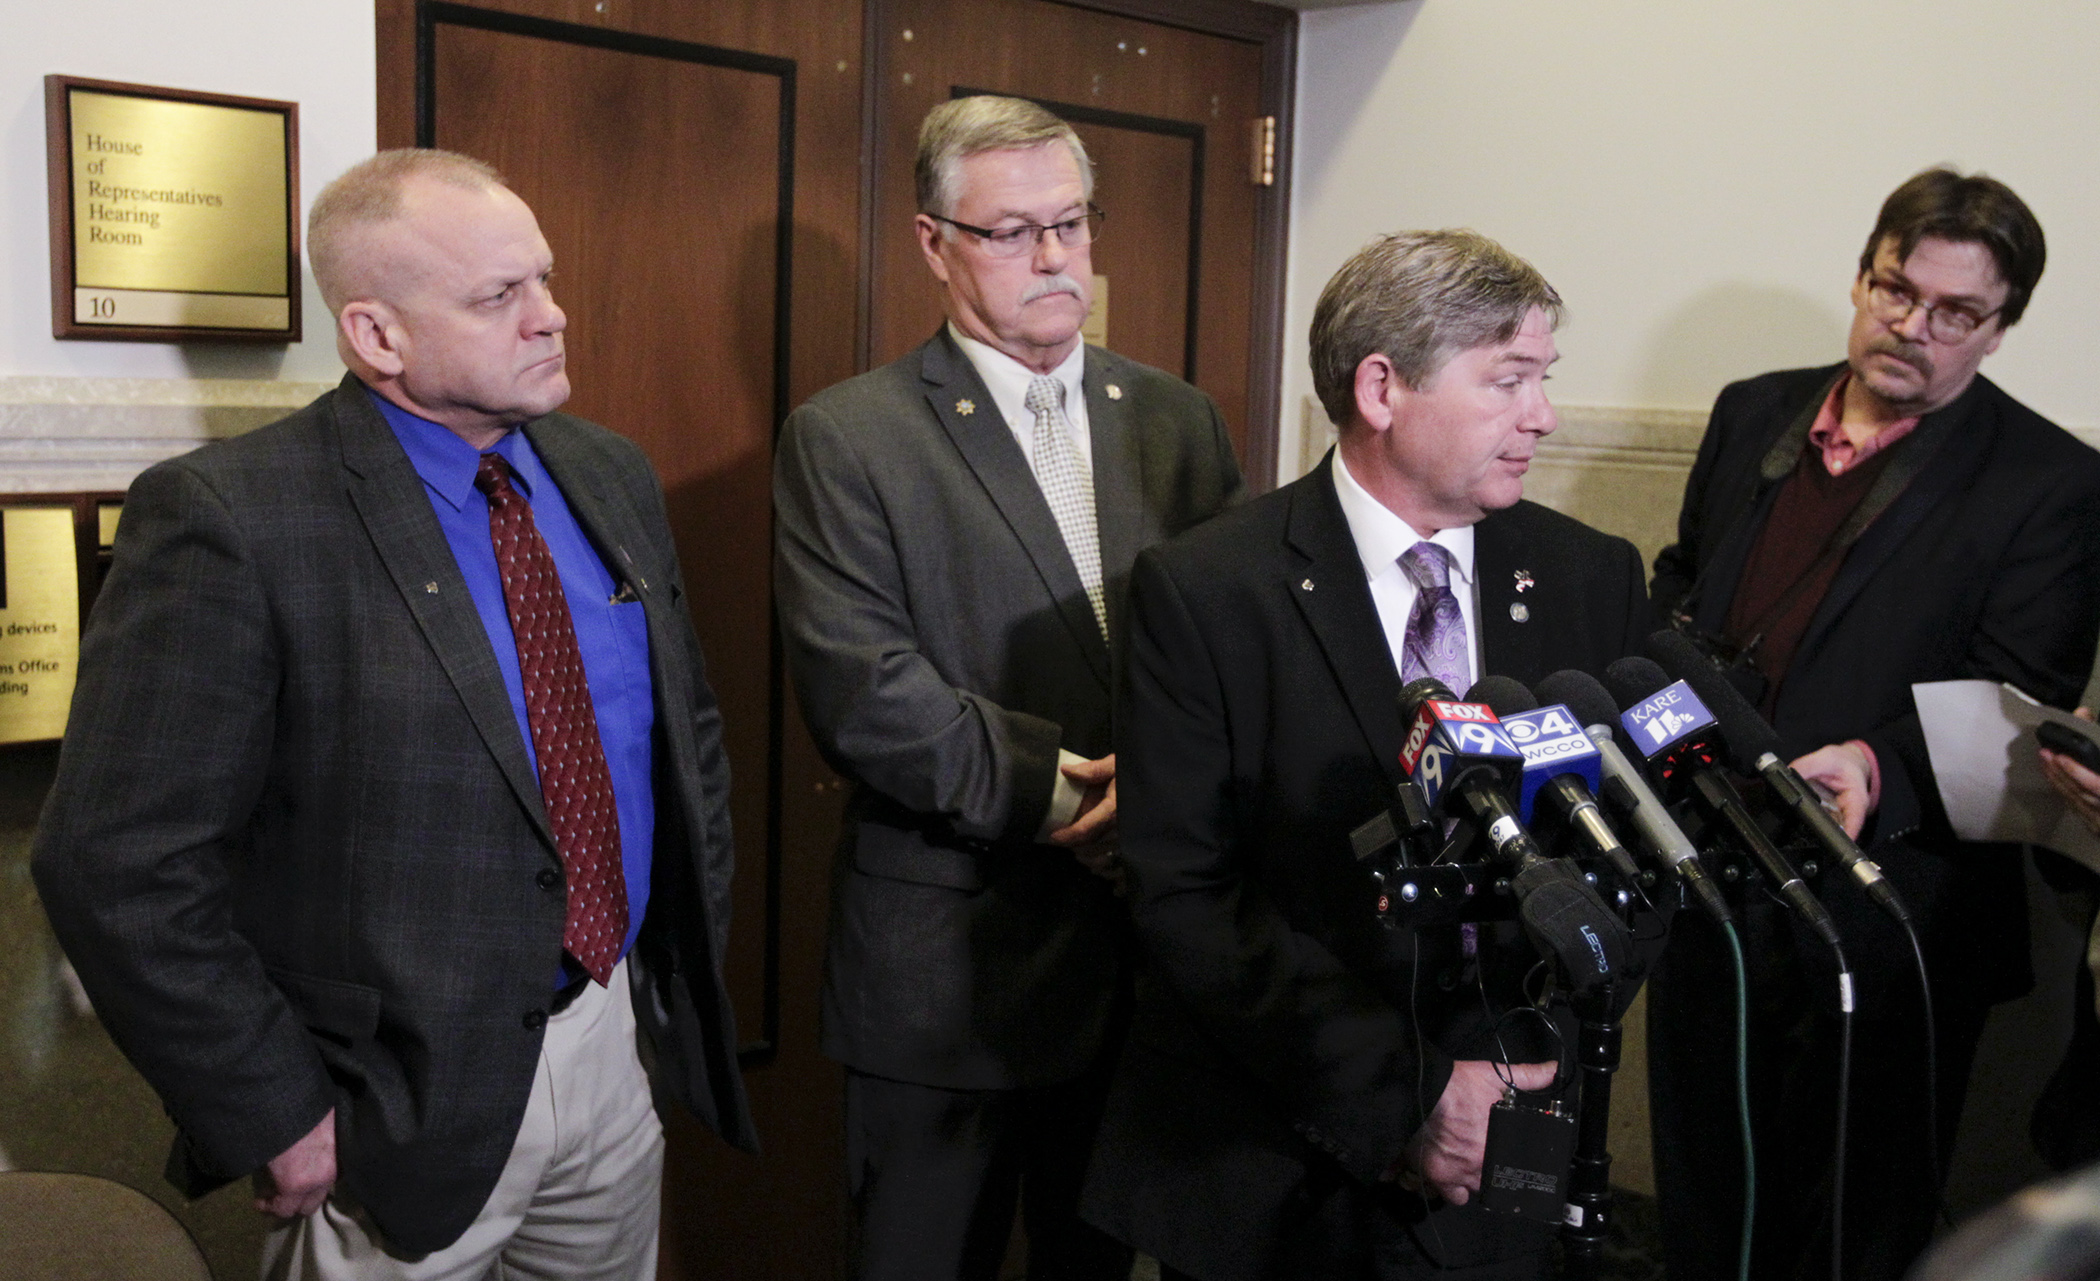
<point x="1696" y="179"/>
<point x="89" y="415"/>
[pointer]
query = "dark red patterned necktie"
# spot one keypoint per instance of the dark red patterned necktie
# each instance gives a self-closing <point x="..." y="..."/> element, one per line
<point x="574" y="780"/>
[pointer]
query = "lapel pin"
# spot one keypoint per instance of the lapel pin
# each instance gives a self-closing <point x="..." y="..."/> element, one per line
<point x="432" y="588"/>
<point x="1115" y="392"/>
<point x="1519" y="611"/>
<point x="1307" y="584"/>
<point x="1524" y="579"/>
<point x="966" y="407"/>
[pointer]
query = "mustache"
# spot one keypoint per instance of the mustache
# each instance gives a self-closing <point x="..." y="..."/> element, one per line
<point x="1911" y="354"/>
<point x="1048" y="285"/>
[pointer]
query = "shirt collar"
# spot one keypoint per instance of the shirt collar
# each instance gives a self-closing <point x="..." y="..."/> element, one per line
<point x="448" y="463"/>
<point x="1829" y="439"/>
<point x="1007" y="379"/>
<point x="1382" y="538"/>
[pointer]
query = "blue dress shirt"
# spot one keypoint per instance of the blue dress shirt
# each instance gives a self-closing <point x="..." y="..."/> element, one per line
<point x="612" y="636"/>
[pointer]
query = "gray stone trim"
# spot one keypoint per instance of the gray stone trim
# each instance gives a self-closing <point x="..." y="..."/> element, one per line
<point x="66" y="434"/>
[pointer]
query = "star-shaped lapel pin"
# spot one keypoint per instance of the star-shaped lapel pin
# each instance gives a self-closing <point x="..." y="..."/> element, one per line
<point x="1115" y="392"/>
<point x="966" y="407"/>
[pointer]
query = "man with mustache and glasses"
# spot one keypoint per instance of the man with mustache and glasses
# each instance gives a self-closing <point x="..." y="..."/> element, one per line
<point x="955" y="533"/>
<point x="1848" y="531"/>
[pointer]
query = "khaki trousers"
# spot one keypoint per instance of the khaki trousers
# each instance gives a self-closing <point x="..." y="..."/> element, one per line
<point x="578" y="1199"/>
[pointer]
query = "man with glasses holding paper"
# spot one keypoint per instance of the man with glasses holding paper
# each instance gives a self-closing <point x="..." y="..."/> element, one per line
<point x="1848" y="531"/>
<point x="955" y="533"/>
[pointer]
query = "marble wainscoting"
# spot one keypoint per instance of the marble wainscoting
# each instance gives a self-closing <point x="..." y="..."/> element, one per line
<point x="72" y="434"/>
<point x="1620" y="469"/>
<point x="68" y="1100"/>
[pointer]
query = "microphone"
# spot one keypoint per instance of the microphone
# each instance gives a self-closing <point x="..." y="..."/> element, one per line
<point x="1627" y="792"/>
<point x="1464" y="762"/>
<point x="1562" y="769"/>
<point x="1754" y="747"/>
<point x="1676" y="732"/>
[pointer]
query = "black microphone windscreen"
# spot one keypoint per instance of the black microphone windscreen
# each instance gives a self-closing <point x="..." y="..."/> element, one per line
<point x="1633" y="679"/>
<point x="1678" y="656"/>
<point x="1748" y="735"/>
<point x="1583" y="695"/>
<point x="1506" y="695"/>
<point x="1419" y="691"/>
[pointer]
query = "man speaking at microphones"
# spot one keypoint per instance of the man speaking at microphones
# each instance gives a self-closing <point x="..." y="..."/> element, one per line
<point x="1306" y="1090"/>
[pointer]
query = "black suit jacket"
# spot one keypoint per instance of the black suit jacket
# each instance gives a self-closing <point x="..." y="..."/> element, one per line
<point x="943" y="650"/>
<point x="1273" y="1053"/>
<point x="1986" y="567"/>
<point x="296" y="848"/>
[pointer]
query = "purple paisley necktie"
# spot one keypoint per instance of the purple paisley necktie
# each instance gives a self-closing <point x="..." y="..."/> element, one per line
<point x="1436" y="630"/>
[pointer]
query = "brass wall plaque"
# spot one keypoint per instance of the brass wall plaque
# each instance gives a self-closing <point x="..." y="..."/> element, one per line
<point x="174" y="215"/>
<point x="39" y="621"/>
<point x="1094" y="329"/>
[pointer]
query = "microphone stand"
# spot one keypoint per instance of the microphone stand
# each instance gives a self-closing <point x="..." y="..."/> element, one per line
<point x="1447" y="892"/>
<point x="1589" y="1176"/>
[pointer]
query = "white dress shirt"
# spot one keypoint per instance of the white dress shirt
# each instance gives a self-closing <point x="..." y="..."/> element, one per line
<point x="1007" y="379"/>
<point x="1381" y="539"/>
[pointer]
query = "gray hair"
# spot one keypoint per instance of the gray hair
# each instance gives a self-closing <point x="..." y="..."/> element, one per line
<point x="1419" y="298"/>
<point x="963" y="127"/>
<point x="367" y="195"/>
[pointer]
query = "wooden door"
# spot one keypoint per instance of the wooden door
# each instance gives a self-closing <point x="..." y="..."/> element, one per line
<point x="1168" y="115"/>
<point x="711" y="181"/>
<point x="694" y="168"/>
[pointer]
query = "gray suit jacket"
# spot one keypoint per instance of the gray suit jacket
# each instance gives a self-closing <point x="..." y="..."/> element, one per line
<point x="296" y="848"/>
<point x="943" y="651"/>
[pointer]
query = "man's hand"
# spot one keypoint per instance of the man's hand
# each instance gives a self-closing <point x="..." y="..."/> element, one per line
<point x="299" y="1179"/>
<point x="1843" y="770"/>
<point x="1445" y="1155"/>
<point x="1091" y="833"/>
<point x="2074" y="782"/>
<point x="1096" y="820"/>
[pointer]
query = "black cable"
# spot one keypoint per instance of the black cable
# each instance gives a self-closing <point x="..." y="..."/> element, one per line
<point x="1837" y="1182"/>
<point x="1505" y="1070"/>
<point x="1932" y="1078"/>
<point x="1742" y="1096"/>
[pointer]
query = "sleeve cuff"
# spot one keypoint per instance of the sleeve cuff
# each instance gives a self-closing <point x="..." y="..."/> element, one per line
<point x="1065" y="796"/>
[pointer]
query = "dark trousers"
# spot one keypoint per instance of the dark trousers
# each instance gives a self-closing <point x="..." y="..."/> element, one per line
<point x="935" y="1176"/>
<point x="1891" y="1196"/>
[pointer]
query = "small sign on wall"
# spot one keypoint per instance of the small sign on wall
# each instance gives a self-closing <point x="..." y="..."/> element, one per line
<point x="39" y="620"/>
<point x="174" y="215"/>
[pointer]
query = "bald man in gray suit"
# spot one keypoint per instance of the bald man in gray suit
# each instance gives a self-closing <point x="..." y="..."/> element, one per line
<point x="955" y="534"/>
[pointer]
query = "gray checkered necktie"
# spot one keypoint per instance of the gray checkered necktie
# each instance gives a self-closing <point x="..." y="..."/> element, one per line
<point x="1067" y="487"/>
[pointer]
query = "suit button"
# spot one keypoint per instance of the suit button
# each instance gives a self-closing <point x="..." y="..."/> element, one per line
<point x="548" y="879"/>
<point x="535" y="1020"/>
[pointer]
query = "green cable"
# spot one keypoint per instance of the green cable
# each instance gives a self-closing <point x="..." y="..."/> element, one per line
<point x="1742" y="1093"/>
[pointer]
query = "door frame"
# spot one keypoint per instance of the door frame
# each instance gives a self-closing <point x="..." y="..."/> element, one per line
<point x="1275" y="31"/>
<point x="426" y="16"/>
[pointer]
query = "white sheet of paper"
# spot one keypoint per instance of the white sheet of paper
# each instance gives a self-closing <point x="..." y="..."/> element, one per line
<point x="1981" y="738"/>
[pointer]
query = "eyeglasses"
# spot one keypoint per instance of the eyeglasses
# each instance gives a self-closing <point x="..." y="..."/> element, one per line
<point x="1013" y="242"/>
<point x="1892" y="304"/>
